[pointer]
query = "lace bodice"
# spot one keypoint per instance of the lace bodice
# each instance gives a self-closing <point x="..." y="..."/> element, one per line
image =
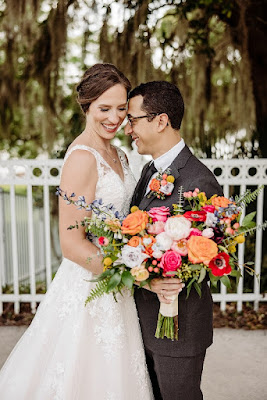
<point x="110" y="187"/>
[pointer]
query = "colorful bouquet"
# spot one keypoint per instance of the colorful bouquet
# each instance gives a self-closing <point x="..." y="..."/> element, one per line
<point x="196" y="239"/>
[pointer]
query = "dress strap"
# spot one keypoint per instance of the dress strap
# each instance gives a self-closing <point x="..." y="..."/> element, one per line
<point x="122" y="157"/>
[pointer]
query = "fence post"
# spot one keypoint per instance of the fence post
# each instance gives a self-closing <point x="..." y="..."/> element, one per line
<point x="2" y="247"/>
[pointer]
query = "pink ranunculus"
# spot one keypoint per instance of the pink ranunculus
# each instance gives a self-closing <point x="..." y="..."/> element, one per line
<point x="230" y="231"/>
<point x="156" y="228"/>
<point x="180" y="247"/>
<point x="159" y="213"/>
<point x="170" y="261"/>
<point x="208" y="208"/>
<point x="194" y="232"/>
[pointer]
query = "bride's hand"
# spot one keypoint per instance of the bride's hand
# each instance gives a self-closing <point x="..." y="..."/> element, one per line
<point x="166" y="287"/>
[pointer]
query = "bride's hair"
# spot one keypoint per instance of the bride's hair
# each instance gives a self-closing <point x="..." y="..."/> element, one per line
<point x="96" y="80"/>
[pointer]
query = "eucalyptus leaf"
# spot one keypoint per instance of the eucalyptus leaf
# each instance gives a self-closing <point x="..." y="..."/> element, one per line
<point x="248" y="218"/>
<point x="202" y="275"/>
<point x="127" y="279"/>
<point x="213" y="279"/>
<point x="114" y="281"/>
<point x="191" y="282"/>
<point x="234" y="272"/>
<point x="196" y="267"/>
<point x="188" y="290"/>
<point x="143" y="283"/>
<point x="198" y="289"/>
<point x="226" y="281"/>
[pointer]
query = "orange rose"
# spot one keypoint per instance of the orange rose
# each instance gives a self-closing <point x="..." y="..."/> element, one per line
<point x="154" y="185"/>
<point x="134" y="241"/>
<point x="220" y="201"/>
<point x="201" y="249"/>
<point x="135" y="222"/>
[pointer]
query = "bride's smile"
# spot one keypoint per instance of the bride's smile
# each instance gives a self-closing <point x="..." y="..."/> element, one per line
<point x="106" y="114"/>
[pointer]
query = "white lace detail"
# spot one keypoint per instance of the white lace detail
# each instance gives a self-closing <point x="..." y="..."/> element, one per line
<point x="110" y="396"/>
<point x="139" y="368"/>
<point x="110" y="187"/>
<point x="55" y="383"/>
<point x="109" y="327"/>
<point x="73" y="352"/>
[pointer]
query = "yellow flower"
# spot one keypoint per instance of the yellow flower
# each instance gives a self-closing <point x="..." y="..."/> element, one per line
<point x="170" y="179"/>
<point x="202" y="198"/>
<point x="232" y="248"/>
<point x="134" y="208"/>
<point x="107" y="261"/>
<point x="240" y="239"/>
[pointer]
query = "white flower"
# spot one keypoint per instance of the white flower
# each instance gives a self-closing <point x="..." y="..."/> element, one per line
<point x="132" y="256"/>
<point x="178" y="228"/>
<point x="208" y="233"/>
<point x="157" y="254"/>
<point x="163" y="242"/>
<point x="211" y="220"/>
<point x="167" y="189"/>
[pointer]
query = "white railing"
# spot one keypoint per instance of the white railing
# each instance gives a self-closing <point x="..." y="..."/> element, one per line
<point x="46" y="175"/>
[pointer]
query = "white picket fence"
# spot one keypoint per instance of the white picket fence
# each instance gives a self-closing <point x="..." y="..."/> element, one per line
<point x="46" y="174"/>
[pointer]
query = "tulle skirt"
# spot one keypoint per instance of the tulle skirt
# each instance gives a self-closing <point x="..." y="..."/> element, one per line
<point x="73" y="352"/>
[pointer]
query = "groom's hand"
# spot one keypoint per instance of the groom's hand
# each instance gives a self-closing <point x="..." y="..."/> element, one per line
<point x="166" y="287"/>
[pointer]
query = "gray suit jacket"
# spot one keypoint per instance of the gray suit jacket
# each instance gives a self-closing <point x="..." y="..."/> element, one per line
<point x="195" y="314"/>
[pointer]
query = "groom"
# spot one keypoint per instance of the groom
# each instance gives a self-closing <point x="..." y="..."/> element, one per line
<point x="155" y="113"/>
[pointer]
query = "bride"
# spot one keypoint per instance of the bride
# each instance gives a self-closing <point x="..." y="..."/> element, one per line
<point x="73" y="352"/>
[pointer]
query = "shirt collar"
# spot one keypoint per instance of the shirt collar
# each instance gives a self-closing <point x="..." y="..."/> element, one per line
<point x="166" y="159"/>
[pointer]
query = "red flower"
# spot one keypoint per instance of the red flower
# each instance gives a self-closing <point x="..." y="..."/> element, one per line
<point x="103" y="241"/>
<point x="219" y="265"/>
<point x="195" y="216"/>
<point x="209" y="208"/>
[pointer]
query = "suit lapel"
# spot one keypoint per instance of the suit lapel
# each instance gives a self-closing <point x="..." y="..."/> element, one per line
<point x="137" y="188"/>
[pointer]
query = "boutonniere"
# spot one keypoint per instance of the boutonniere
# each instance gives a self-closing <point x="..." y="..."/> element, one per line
<point x="162" y="185"/>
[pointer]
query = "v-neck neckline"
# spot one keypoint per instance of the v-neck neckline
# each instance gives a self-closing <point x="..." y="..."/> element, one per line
<point x="121" y="178"/>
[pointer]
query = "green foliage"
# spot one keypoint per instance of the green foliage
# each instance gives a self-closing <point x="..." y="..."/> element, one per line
<point x="248" y="197"/>
<point x="99" y="290"/>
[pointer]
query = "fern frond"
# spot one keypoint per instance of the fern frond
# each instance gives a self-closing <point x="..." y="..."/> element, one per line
<point x="248" y="197"/>
<point x="98" y="291"/>
<point x="178" y="207"/>
<point x="246" y="232"/>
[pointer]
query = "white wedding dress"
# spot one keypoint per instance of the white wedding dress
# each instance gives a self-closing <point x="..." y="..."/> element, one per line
<point x="73" y="352"/>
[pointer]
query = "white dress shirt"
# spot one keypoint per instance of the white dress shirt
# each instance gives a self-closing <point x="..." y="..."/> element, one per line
<point x="166" y="159"/>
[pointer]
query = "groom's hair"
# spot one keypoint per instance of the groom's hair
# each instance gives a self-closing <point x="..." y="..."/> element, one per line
<point x="161" y="97"/>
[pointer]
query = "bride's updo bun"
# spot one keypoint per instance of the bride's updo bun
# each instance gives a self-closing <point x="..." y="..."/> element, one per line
<point x="96" y="80"/>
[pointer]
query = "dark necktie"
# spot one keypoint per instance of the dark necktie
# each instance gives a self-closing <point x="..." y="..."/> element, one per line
<point x="141" y="190"/>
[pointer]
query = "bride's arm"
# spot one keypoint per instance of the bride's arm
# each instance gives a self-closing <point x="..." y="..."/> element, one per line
<point x="79" y="176"/>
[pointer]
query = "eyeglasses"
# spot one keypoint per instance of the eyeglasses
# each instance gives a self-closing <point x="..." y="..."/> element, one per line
<point x="131" y="120"/>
